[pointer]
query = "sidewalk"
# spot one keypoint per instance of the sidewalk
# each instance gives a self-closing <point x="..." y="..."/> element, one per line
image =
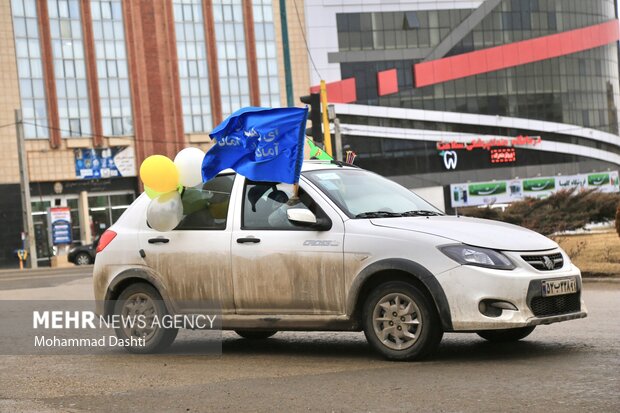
<point x="613" y="279"/>
<point x="45" y="271"/>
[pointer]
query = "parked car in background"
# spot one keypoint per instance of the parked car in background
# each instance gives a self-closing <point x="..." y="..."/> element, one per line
<point x="84" y="254"/>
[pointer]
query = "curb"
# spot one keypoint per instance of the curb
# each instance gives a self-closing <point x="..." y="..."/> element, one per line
<point x="611" y="280"/>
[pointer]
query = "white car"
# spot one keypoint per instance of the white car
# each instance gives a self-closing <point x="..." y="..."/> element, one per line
<point x="357" y="252"/>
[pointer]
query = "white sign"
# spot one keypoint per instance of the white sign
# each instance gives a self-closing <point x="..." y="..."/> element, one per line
<point x="506" y="191"/>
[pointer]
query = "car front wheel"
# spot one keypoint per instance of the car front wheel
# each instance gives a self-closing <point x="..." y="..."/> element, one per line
<point x="400" y="322"/>
<point x="506" y="335"/>
<point x="141" y="303"/>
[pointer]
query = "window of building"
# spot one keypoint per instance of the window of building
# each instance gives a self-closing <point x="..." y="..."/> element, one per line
<point x="411" y="20"/>
<point x="105" y="209"/>
<point x="72" y="203"/>
<point x="193" y="71"/>
<point x="112" y="73"/>
<point x="69" y="67"/>
<point x="30" y="68"/>
<point x="266" y="56"/>
<point x="551" y="20"/>
<point x="231" y="55"/>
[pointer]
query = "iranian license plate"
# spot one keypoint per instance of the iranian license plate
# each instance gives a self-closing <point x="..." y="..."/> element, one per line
<point x="559" y="287"/>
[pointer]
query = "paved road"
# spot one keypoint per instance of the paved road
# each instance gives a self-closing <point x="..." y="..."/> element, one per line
<point x="567" y="367"/>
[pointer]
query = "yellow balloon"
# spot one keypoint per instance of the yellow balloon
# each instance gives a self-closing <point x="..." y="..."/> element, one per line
<point x="159" y="173"/>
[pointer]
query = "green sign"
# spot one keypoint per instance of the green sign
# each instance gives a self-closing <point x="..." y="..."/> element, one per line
<point x="598" y="179"/>
<point x="487" y="188"/>
<point x="539" y="184"/>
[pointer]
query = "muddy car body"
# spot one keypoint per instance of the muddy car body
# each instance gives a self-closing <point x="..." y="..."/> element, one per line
<point x="358" y="252"/>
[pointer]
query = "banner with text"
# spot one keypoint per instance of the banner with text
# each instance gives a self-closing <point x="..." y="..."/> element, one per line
<point x="506" y="191"/>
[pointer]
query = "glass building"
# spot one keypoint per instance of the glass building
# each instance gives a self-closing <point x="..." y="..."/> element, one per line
<point x="409" y="79"/>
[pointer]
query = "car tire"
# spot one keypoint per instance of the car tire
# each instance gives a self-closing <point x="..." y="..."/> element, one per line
<point x="83" y="259"/>
<point x="506" y="335"/>
<point x="157" y="339"/>
<point x="256" y="334"/>
<point x="400" y="322"/>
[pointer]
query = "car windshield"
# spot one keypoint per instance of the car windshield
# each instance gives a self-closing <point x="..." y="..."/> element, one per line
<point x="363" y="194"/>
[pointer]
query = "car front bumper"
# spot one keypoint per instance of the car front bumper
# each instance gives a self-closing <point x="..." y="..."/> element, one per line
<point x="467" y="286"/>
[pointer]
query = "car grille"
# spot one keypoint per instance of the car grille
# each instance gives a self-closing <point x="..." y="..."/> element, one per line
<point x="556" y="305"/>
<point x="540" y="263"/>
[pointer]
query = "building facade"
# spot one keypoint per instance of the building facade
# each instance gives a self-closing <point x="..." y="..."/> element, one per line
<point x="437" y="92"/>
<point x="102" y="84"/>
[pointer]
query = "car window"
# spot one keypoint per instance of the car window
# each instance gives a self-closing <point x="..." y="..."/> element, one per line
<point x="206" y="208"/>
<point x="265" y="205"/>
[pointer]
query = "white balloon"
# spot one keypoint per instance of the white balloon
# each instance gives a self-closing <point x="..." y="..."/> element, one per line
<point x="189" y="164"/>
<point x="165" y="212"/>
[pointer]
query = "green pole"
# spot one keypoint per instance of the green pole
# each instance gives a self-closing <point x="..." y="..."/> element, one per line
<point x="287" y="55"/>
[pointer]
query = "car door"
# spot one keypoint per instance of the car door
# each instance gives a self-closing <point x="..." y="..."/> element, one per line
<point x="282" y="268"/>
<point x="193" y="260"/>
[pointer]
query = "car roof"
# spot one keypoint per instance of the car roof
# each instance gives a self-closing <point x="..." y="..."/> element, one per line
<point x="312" y="165"/>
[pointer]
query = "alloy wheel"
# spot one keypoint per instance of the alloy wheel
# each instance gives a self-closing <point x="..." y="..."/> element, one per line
<point x="397" y="321"/>
<point x="82" y="259"/>
<point x="138" y="313"/>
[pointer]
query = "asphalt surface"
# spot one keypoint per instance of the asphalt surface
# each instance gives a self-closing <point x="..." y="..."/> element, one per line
<point x="565" y="367"/>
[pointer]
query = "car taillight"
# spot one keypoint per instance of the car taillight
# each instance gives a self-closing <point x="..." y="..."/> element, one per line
<point x="105" y="239"/>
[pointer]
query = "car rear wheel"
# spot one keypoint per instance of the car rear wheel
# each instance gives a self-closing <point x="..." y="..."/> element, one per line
<point x="256" y="334"/>
<point x="143" y="301"/>
<point x="506" y="335"/>
<point x="400" y="322"/>
<point x="83" y="259"/>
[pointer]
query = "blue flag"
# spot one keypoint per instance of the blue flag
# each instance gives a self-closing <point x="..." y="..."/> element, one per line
<point x="262" y="144"/>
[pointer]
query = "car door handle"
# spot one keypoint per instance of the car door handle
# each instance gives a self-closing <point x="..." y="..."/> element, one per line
<point x="159" y="240"/>
<point x="248" y="239"/>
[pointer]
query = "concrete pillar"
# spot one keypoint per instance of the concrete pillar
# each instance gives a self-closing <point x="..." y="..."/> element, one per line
<point x="85" y="233"/>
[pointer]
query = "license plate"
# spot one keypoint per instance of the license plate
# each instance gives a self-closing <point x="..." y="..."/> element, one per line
<point x="559" y="287"/>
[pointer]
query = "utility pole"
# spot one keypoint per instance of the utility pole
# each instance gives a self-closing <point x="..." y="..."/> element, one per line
<point x="331" y="113"/>
<point x="24" y="180"/>
<point x="287" y="55"/>
<point x="338" y="139"/>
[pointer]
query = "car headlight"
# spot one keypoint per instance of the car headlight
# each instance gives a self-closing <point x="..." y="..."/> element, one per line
<point x="482" y="257"/>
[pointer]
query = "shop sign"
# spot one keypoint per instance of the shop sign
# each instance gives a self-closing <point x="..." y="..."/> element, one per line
<point x="60" y="225"/>
<point x="114" y="162"/>
<point x="489" y="143"/>
<point x="502" y="150"/>
<point x="506" y="191"/>
<point x="503" y="155"/>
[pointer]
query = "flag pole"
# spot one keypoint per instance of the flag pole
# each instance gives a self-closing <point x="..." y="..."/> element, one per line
<point x="300" y="159"/>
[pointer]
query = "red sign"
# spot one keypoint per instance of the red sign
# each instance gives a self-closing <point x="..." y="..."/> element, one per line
<point x="487" y="144"/>
<point x="506" y="155"/>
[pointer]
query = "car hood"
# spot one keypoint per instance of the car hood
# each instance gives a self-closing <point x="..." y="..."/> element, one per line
<point x="472" y="231"/>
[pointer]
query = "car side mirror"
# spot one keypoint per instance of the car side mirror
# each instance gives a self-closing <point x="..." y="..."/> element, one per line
<point x="301" y="216"/>
<point x="305" y="218"/>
